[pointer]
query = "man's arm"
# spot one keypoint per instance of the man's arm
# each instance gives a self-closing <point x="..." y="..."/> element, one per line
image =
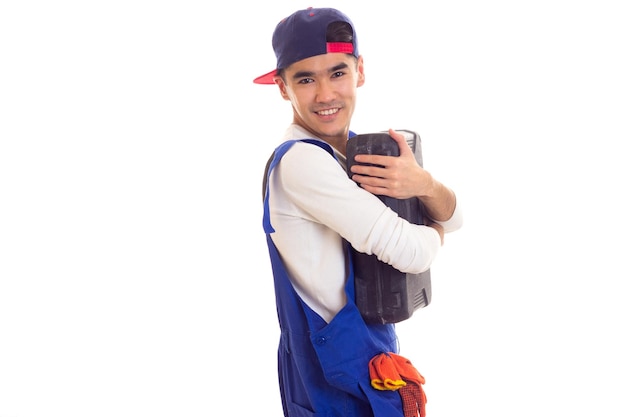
<point x="401" y="177"/>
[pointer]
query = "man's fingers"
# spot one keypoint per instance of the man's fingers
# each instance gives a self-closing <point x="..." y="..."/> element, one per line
<point x="401" y="140"/>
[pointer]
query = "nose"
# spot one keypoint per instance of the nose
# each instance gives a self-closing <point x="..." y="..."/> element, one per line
<point x="325" y="91"/>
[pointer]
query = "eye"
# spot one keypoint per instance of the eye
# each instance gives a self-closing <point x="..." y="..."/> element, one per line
<point x="338" y="74"/>
<point x="305" y="81"/>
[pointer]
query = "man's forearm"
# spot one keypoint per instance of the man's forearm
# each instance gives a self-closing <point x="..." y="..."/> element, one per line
<point x="440" y="203"/>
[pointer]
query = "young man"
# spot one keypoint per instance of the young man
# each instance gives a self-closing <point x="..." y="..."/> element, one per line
<point x="313" y="211"/>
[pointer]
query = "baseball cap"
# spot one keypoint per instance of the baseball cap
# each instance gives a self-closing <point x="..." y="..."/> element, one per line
<point x="303" y="35"/>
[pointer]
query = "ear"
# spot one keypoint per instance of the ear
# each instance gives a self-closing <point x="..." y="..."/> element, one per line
<point x="282" y="87"/>
<point x="360" y="71"/>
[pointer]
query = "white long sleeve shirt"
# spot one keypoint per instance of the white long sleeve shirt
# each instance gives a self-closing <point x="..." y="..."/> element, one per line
<point x="314" y="205"/>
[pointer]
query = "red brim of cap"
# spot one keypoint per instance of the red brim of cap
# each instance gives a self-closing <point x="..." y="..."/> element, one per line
<point x="266" y="78"/>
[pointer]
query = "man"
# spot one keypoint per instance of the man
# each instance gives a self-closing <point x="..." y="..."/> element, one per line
<point x="313" y="211"/>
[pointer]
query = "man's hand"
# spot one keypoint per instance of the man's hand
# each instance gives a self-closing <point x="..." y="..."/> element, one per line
<point x="398" y="177"/>
<point x="401" y="177"/>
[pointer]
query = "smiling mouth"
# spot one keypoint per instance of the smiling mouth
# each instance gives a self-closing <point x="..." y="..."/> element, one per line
<point x="328" y="112"/>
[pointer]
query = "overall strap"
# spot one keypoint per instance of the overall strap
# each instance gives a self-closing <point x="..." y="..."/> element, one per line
<point x="276" y="156"/>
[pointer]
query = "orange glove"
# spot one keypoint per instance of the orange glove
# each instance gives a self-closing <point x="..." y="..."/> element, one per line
<point x="390" y="371"/>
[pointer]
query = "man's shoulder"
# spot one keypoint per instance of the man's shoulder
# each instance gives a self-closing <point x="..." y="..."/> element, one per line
<point x="298" y="134"/>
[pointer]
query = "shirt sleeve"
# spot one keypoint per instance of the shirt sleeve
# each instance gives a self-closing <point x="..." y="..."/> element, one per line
<point x="322" y="191"/>
<point x="454" y="222"/>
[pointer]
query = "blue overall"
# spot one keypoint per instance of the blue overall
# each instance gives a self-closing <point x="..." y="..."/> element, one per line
<point x="323" y="367"/>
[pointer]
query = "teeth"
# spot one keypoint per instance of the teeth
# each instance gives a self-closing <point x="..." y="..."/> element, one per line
<point x="327" y="112"/>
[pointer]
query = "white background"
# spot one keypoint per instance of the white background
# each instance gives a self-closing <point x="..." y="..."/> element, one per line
<point x="134" y="277"/>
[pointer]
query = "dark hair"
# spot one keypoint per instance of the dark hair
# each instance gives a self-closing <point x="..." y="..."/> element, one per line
<point x="339" y="32"/>
<point x="335" y="32"/>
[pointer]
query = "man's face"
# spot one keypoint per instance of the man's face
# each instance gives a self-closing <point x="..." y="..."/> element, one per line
<point x="322" y="91"/>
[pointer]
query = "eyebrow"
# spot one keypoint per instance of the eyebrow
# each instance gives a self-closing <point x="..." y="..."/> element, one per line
<point x="306" y="74"/>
